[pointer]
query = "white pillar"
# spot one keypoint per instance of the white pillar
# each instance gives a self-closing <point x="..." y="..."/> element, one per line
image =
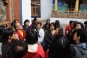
<point x="26" y="10"/>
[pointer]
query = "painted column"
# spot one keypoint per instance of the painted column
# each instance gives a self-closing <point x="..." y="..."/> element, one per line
<point x="77" y="5"/>
<point x="17" y="10"/>
<point x="56" y="5"/>
<point x="8" y="10"/>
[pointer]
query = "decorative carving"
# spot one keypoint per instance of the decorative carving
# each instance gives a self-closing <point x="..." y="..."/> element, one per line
<point x="2" y="11"/>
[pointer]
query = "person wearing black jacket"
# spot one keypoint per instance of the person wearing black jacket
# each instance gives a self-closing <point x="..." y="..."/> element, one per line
<point x="59" y="47"/>
<point x="34" y="22"/>
<point x="49" y="35"/>
<point x="26" y="25"/>
<point x="6" y="38"/>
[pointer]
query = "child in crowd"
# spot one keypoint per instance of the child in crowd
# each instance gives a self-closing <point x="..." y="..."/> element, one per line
<point x="34" y="49"/>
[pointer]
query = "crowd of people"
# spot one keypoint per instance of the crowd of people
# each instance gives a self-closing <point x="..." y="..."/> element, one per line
<point x="43" y="41"/>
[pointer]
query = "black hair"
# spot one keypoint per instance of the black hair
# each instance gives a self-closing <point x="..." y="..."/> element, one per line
<point x="19" y="48"/>
<point x="1" y="29"/>
<point x="53" y="24"/>
<point x="6" y="33"/>
<point x="70" y="22"/>
<point x="82" y="33"/>
<point x="59" y="48"/>
<point x="82" y="26"/>
<point x="47" y="24"/>
<point x="26" y="21"/>
<point x="35" y="18"/>
<point x="13" y="22"/>
<point x="31" y="37"/>
<point x="47" y="20"/>
<point x="39" y="23"/>
<point x="57" y="23"/>
<point x="60" y="30"/>
<point x="85" y="22"/>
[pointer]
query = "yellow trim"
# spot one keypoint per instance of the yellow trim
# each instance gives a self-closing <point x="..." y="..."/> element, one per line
<point x="56" y="5"/>
<point x="77" y="5"/>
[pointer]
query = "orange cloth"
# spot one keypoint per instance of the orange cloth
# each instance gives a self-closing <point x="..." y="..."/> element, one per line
<point x="21" y="37"/>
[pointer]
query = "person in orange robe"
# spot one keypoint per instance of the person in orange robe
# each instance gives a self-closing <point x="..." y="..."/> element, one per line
<point x="20" y="34"/>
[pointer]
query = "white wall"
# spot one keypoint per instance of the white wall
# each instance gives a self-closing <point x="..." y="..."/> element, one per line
<point x="26" y="10"/>
<point x="66" y="20"/>
<point x="46" y="9"/>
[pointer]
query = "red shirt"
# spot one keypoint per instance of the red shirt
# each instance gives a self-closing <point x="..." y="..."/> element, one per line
<point x="20" y="36"/>
<point x="39" y="54"/>
<point x="68" y="28"/>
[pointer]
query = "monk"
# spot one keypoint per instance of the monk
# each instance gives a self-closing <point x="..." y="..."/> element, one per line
<point x="20" y="34"/>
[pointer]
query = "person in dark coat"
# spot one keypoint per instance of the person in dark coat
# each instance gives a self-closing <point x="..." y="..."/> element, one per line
<point x="59" y="47"/>
<point x="34" y="22"/>
<point x="85" y="25"/>
<point x="46" y="27"/>
<point x="47" y="21"/>
<point x="6" y="38"/>
<point x="1" y="30"/>
<point x="49" y="35"/>
<point x="19" y="49"/>
<point x="26" y="25"/>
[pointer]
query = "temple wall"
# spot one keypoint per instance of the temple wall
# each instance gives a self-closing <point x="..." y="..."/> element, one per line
<point x="46" y="9"/>
<point x="2" y="11"/>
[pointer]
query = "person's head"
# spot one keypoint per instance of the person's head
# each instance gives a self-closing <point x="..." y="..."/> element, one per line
<point x="79" y="36"/>
<point x="39" y="24"/>
<point x="78" y="25"/>
<point x="59" y="47"/>
<point x="48" y="21"/>
<point x="1" y="29"/>
<point x="47" y="26"/>
<point x="59" y="30"/>
<point x="36" y="20"/>
<point x="52" y="26"/>
<point x="31" y="37"/>
<point x="7" y="34"/>
<point x="26" y="22"/>
<point x="18" y="26"/>
<point x="57" y="23"/>
<point x="85" y="24"/>
<point x="13" y="23"/>
<point x="72" y="23"/>
<point x="19" y="49"/>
